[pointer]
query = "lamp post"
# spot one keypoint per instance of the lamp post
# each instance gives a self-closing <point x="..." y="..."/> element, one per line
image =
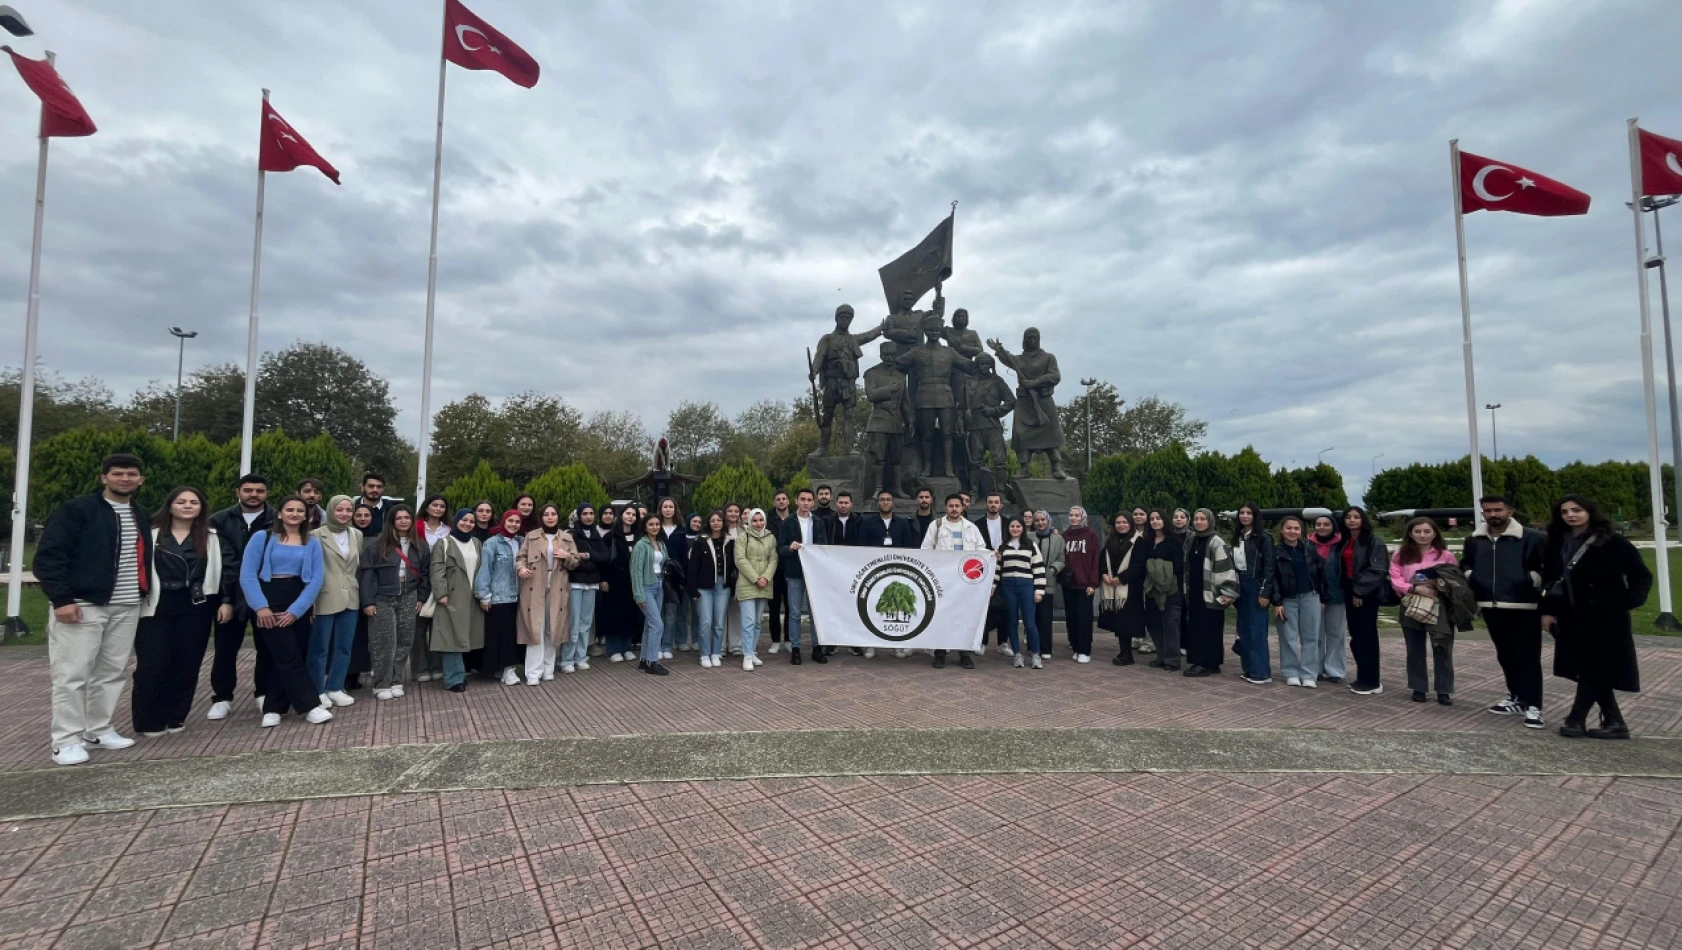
<point x="1375" y="464"/>
<point x="1494" y="439"/>
<point x="1089" y="382"/>
<point x="1322" y="456"/>
<point x="180" y="364"/>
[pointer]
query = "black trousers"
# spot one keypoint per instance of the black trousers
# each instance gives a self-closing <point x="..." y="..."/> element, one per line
<point x="1043" y="614"/>
<point x="224" y="668"/>
<point x="1363" y="639"/>
<point x="1591" y="692"/>
<point x="1077" y="620"/>
<point x="168" y="654"/>
<point x="290" y="685"/>
<point x="779" y="606"/>
<point x="1517" y="635"/>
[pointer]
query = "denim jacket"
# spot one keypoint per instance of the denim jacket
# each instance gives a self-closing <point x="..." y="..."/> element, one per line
<point x="495" y="580"/>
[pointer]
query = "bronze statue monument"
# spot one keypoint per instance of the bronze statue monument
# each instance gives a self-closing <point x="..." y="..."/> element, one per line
<point x="835" y="366"/>
<point x="890" y="412"/>
<point x="933" y="365"/>
<point x="1037" y="428"/>
<point x="989" y="400"/>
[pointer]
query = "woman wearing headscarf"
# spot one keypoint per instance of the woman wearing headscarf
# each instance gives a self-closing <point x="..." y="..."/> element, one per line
<point x="546" y="559"/>
<point x="1052" y="549"/>
<point x="584" y="587"/>
<point x="1211" y="587"/>
<point x="1121" y="598"/>
<point x="458" y="622"/>
<point x="1182" y="525"/>
<point x="362" y="519"/>
<point x="735" y="525"/>
<point x="496" y="585"/>
<point x="396" y="579"/>
<point x="333" y="631"/>
<point x="756" y="574"/>
<point x="432" y="524"/>
<point x="616" y="611"/>
<point x="1079" y="580"/>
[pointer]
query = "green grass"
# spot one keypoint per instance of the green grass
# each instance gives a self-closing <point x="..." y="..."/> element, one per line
<point x="34" y="612"/>
<point x="1644" y="617"/>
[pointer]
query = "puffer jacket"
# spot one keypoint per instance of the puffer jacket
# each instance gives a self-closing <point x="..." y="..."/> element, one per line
<point x="756" y="557"/>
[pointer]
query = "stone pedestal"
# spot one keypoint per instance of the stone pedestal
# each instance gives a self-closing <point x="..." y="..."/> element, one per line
<point x="938" y="485"/>
<point x="841" y="473"/>
<point x="1056" y="495"/>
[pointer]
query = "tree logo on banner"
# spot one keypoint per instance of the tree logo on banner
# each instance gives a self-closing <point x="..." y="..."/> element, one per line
<point x="896" y="599"/>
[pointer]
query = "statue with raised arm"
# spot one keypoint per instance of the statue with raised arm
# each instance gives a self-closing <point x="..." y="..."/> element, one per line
<point x="967" y="343"/>
<point x="835" y="368"/>
<point x="989" y="400"/>
<point x="1037" y="426"/>
<point x="932" y="366"/>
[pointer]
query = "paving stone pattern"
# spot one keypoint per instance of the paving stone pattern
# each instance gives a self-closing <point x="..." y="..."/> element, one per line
<point x="1061" y="860"/>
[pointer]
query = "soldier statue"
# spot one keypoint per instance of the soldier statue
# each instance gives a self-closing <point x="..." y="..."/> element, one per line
<point x="1037" y="428"/>
<point x="967" y="343"/>
<point x="932" y="366"/>
<point x="835" y="366"/>
<point x="989" y="400"/>
<point x="890" y="415"/>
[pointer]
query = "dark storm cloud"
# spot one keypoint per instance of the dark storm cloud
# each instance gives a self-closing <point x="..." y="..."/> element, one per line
<point x="1237" y="205"/>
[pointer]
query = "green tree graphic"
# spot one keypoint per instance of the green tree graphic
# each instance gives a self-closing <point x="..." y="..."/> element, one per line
<point x="897" y="602"/>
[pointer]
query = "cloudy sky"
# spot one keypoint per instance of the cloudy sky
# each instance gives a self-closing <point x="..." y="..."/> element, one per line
<point x="1240" y="206"/>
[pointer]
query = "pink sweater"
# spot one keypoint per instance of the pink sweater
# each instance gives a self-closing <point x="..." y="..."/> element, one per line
<point x="1401" y="575"/>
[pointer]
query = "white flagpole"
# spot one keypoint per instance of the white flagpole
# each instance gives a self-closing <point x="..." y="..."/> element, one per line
<point x="248" y="427"/>
<point x="1655" y="475"/>
<point x="26" y="402"/>
<point x="425" y="443"/>
<point x="1466" y="333"/>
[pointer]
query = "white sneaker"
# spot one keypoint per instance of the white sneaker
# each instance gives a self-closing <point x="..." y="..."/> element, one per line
<point x="870" y="653"/>
<point x="617" y="658"/>
<point x="548" y="676"/>
<point x="902" y="654"/>
<point x="73" y="754"/>
<point x="718" y="661"/>
<point x="341" y="698"/>
<point x="383" y="694"/>
<point x="270" y="720"/>
<point x="219" y="710"/>
<point x="774" y="647"/>
<point x="1005" y="650"/>
<point x="756" y="660"/>
<point x="583" y="664"/>
<point x="397" y="691"/>
<point x="1293" y="681"/>
<point x="1083" y="658"/>
<point x="325" y="699"/>
<point x="110" y="739"/>
<point x="568" y="668"/>
<point x="318" y="715"/>
<point x="665" y="654"/>
<point x="154" y="735"/>
<point x="1533" y="718"/>
<point x="260" y="704"/>
<point x="1310" y="684"/>
<point x="424" y="678"/>
<point x="706" y="661"/>
<point x="533" y="680"/>
<point x="510" y="678"/>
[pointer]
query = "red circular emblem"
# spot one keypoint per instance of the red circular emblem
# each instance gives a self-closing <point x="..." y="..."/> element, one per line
<point x="973" y="569"/>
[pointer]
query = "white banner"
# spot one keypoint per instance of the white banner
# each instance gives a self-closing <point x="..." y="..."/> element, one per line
<point x="898" y="598"/>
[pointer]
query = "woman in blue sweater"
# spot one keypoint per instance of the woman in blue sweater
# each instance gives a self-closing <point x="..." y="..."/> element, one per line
<point x="280" y="575"/>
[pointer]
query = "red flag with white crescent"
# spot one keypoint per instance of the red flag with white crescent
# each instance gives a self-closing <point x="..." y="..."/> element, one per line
<point x="1489" y="185"/>
<point x="1661" y="164"/>
<point x="61" y="112"/>
<point x="471" y="43"/>
<point x="281" y="149"/>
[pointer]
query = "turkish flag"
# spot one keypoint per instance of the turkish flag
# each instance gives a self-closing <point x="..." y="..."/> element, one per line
<point x="280" y="148"/>
<point x="61" y="112"/>
<point x="1661" y="164"/>
<point x="1489" y="185"/>
<point x="471" y="43"/>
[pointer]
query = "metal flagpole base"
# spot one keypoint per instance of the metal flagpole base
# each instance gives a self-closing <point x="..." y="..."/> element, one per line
<point x="1666" y="622"/>
<point x="16" y="627"/>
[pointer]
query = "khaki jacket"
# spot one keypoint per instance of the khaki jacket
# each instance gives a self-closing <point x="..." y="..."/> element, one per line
<point x="755" y="558"/>
<point x="339" y="589"/>
<point x="459" y="626"/>
<point x="545" y="586"/>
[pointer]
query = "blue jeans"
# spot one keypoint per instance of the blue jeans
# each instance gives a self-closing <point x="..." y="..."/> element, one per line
<point x="674" y="618"/>
<point x="1334" y="637"/>
<point x="652" y="628"/>
<point x="581" y="607"/>
<point x="1299" y="637"/>
<point x="710" y="619"/>
<point x="1252" y="631"/>
<point x="328" y="659"/>
<point x="754" y="612"/>
<point x="1019" y="602"/>
<point x="455" y="668"/>
<point x="796" y="603"/>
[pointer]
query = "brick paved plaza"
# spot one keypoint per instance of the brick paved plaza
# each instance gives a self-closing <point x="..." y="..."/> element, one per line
<point x="1169" y="813"/>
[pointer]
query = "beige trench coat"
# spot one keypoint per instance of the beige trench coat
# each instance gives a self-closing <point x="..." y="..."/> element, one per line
<point x="459" y="626"/>
<point x="532" y="558"/>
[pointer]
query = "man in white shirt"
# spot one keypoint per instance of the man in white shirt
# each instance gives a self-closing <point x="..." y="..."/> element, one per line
<point x="993" y="523"/>
<point x="953" y="533"/>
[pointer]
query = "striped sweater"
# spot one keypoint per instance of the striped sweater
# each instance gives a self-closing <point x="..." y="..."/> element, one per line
<point x="1023" y="563"/>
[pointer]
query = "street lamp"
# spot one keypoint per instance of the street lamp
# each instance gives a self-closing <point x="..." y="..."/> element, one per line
<point x="1089" y="383"/>
<point x="1494" y="439"/>
<point x="1375" y="464"/>
<point x="180" y="364"/>
<point x="1657" y="262"/>
<point x="1322" y="456"/>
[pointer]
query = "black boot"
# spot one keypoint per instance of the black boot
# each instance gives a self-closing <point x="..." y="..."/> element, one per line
<point x="1609" y="729"/>
<point x="794" y="656"/>
<point x="1573" y="728"/>
<point x="940" y="659"/>
<point x="966" y="661"/>
<point x="819" y="656"/>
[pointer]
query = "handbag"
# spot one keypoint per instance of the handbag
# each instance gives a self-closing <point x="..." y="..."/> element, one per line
<point x="1560" y="587"/>
<point x="1421" y="609"/>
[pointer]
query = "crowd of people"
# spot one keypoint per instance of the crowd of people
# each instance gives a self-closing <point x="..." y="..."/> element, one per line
<point x="344" y="594"/>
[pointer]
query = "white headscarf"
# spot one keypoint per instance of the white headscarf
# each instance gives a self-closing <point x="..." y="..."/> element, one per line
<point x="748" y="518"/>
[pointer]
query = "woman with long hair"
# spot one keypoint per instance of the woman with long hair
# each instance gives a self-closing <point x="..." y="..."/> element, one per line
<point x="431" y="527"/>
<point x="396" y="579"/>
<point x="484" y="521"/>
<point x="1022" y="583"/>
<point x="648" y="571"/>
<point x="736" y="525"/>
<point x="1141" y="521"/>
<point x="1211" y="585"/>
<point x="1292" y="585"/>
<point x="280" y="575"/>
<point x="333" y="631"/>
<point x="192" y="578"/>
<point x="674" y="620"/>
<point x="458" y="622"/>
<point x="1164" y="590"/>
<point x="1252" y="556"/>
<point x="545" y="563"/>
<point x="496" y="585"/>
<point x="526" y="506"/>
<point x="1334" y="623"/>
<point x="361" y="661"/>
<point x="1413" y="570"/>
<point x="1121" y="599"/>
<point x="756" y="573"/>
<point x="626" y="632"/>
<point x="711" y="574"/>
<point x="1365" y="573"/>
<point x="434" y="520"/>
<point x="1593" y="578"/>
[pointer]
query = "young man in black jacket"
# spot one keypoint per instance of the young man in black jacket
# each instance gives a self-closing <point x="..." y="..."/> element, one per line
<point x="804" y="528"/>
<point x="585" y="582"/>
<point x="885" y="529"/>
<point x="236" y="524"/>
<point x="94" y="564"/>
<point x="1502" y="561"/>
